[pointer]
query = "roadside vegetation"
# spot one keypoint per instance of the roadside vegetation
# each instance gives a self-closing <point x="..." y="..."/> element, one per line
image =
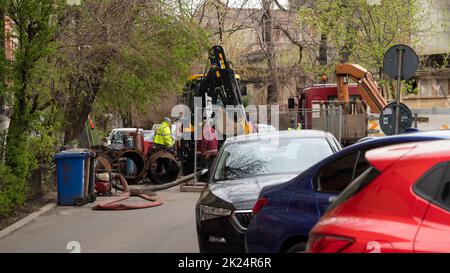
<point x="109" y="56"/>
<point x="68" y="60"/>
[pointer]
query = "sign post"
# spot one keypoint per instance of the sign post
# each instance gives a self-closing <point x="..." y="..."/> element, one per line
<point x="400" y="62"/>
<point x="389" y="115"/>
<point x="400" y="52"/>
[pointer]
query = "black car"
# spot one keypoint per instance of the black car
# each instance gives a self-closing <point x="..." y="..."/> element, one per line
<point x="243" y="167"/>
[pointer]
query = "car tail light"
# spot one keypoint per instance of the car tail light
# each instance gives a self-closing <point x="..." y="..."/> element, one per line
<point x="259" y="205"/>
<point x="328" y="244"/>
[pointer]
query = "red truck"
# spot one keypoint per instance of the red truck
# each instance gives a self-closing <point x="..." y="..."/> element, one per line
<point x="341" y="108"/>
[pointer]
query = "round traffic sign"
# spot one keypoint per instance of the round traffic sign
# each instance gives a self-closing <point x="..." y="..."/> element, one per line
<point x="391" y="60"/>
<point x="387" y="118"/>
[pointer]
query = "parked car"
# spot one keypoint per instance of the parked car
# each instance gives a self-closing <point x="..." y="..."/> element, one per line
<point x="284" y="214"/>
<point x="400" y="203"/>
<point x="244" y="165"/>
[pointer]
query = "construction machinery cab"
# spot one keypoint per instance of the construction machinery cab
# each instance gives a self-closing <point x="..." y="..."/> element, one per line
<point x="192" y="89"/>
<point x="221" y="87"/>
<point x="220" y="83"/>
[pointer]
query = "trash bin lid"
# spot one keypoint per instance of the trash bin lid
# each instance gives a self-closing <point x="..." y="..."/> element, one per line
<point x="73" y="153"/>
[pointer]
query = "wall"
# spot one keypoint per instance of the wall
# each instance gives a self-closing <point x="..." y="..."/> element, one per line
<point x="434" y="28"/>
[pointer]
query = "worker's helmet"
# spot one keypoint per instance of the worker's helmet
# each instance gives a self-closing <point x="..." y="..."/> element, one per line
<point x="167" y="119"/>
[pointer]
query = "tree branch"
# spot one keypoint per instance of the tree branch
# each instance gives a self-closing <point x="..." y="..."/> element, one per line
<point x="279" y="5"/>
<point x="35" y="104"/>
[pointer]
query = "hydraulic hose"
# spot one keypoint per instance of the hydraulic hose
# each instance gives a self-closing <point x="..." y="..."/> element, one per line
<point x="151" y="188"/>
<point x="112" y="203"/>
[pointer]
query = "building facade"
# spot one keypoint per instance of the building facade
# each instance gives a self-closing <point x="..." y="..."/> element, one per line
<point x="433" y="47"/>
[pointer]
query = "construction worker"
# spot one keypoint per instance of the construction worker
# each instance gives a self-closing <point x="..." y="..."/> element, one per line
<point x="299" y="127"/>
<point x="163" y="141"/>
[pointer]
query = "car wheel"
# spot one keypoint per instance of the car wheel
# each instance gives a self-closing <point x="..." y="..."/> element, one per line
<point x="297" y="248"/>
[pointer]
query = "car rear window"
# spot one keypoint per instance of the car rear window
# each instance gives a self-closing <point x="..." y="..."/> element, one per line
<point x="428" y="184"/>
<point x="355" y="187"/>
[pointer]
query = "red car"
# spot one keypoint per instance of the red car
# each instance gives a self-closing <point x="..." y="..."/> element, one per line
<point x="401" y="203"/>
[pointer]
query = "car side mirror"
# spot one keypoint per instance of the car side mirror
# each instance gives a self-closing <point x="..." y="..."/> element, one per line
<point x="204" y="176"/>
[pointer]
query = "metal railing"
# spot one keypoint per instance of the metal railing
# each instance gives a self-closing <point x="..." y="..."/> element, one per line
<point x="346" y="121"/>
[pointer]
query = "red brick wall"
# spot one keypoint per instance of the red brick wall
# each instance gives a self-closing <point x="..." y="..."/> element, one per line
<point x="10" y="41"/>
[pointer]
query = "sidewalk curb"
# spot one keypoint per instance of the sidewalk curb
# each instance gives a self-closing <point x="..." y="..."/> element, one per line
<point x="24" y="221"/>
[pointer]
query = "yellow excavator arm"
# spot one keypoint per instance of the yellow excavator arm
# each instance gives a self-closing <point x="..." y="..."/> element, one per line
<point x="367" y="85"/>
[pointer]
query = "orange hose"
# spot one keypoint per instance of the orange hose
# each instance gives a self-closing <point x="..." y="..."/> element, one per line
<point x="111" y="204"/>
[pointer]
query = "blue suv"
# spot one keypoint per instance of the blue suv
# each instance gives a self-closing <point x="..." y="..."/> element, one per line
<point x="285" y="213"/>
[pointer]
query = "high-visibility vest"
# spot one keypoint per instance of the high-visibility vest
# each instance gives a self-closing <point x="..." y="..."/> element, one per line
<point x="163" y="135"/>
<point x="299" y="127"/>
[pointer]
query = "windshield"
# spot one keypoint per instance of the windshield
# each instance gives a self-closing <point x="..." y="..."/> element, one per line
<point x="291" y="156"/>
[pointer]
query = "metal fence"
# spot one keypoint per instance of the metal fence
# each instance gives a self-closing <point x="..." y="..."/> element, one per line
<point x="431" y="119"/>
<point x="349" y="122"/>
<point x="42" y="180"/>
<point x="346" y="121"/>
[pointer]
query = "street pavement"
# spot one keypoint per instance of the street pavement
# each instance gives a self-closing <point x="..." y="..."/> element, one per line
<point x="167" y="228"/>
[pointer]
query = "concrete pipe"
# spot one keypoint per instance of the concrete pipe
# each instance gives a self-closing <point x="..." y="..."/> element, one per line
<point x="103" y="158"/>
<point x="120" y="163"/>
<point x="169" y="175"/>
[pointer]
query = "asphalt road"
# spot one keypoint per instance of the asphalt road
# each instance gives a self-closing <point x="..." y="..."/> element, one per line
<point x="168" y="228"/>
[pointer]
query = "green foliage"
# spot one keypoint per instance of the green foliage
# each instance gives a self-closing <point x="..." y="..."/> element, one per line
<point x="246" y="101"/>
<point x="35" y="24"/>
<point x="120" y="55"/>
<point x="154" y="63"/>
<point x="140" y="52"/>
<point x="19" y="155"/>
<point x="364" y="31"/>
<point x="12" y="190"/>
<point x="46" y="134"/>
<point x="410" y="87"/>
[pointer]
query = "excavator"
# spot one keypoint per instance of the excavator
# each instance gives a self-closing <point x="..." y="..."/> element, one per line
<point x="367" y="86"/>
<point x="313" y="103"/>
<point x="221" y="87"/>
